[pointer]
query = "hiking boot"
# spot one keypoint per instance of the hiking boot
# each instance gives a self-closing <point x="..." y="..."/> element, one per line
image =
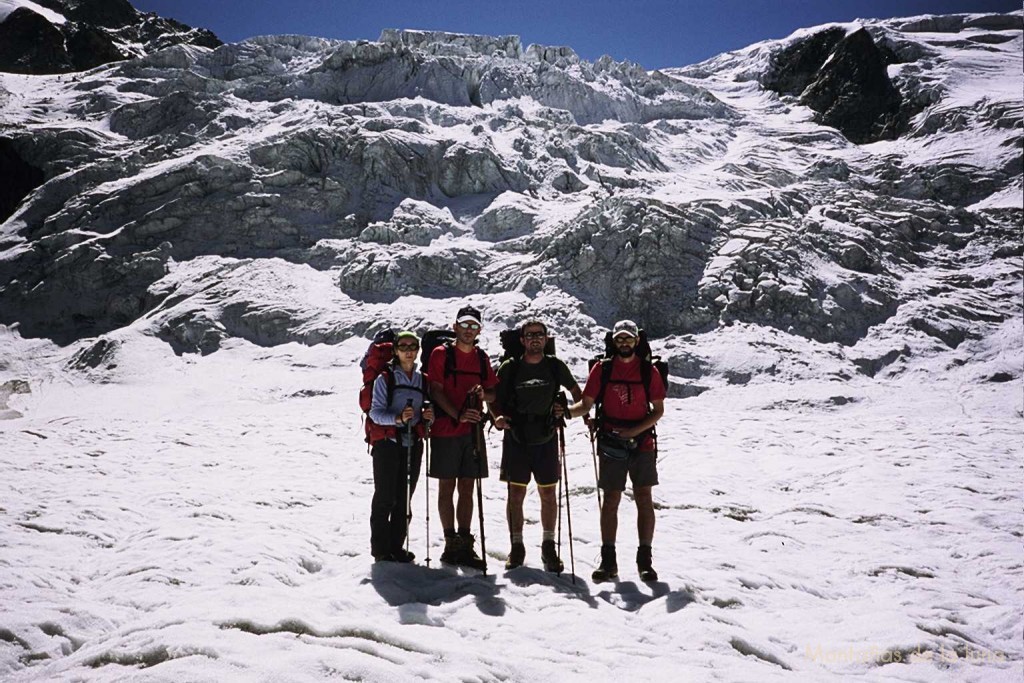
<point x="516" y="556"/>
<point x="402" y="555"/>
<point x="383" y="557"/>
<point x="609" y="569"/>
<point x="643" y="564"/>
<point x="452" y="549"/>
<point x="548" y="555"/>
<point x="467" y="554"/>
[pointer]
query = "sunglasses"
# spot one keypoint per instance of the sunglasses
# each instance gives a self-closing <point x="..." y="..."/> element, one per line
<point x="535" y="335"/>
<point x="470" y="326"/>
<point x="408" y="347"/>
<point x="625" y="339"/>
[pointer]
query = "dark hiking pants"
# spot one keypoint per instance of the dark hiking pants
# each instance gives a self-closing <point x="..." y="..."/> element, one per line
<point x="388" y="509"/>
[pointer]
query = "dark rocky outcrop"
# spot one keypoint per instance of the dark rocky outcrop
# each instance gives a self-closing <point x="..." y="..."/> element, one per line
<point x="97" y="32"/>
<point x="105" y="13"/>
<point x="854" y="94"/>
<point x="20" y="178"/>
<point x="797" y="66"/>
<point x="844" y="79"/>
<point x="31" y="44"/>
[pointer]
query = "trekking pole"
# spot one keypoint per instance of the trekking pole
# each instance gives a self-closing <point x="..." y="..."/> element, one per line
<point x="473" y="401"/>
<point x="560" y="516"/>
<point x="426" y="479"/>
<point x="568" y="507"/>
<point x="408" y="477"/>
<point x="597" y="480"/>
<point x="559" y="423"/>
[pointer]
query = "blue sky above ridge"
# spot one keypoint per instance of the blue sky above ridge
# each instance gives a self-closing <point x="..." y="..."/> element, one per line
<point x="654" y="33"/>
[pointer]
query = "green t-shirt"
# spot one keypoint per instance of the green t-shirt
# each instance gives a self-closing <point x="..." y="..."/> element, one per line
<point x="528" y="403"/>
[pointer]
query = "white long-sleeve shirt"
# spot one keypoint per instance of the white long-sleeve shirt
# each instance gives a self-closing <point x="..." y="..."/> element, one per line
<point x="384" y="414"/>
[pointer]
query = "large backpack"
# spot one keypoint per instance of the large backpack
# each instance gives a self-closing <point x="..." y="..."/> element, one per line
<point x="648" y="362"/>
<point x="512" y="345"/>
<point x="434" y="338"/>
<point x="513" y="350"/>
<point x="379" y="360"/>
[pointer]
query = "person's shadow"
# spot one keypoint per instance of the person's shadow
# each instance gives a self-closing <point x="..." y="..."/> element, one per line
<point x="626" y="595"/>
<point x="565" y="583"/>
<point x="411" y="587"/>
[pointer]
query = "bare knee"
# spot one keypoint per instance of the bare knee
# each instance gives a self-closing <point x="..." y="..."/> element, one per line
<point x="516" y="493"/>
<point x="644" y="497"/>
<point x="547" y="494"/>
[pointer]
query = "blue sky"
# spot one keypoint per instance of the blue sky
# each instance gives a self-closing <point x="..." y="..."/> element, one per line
<point x="654" y="33"/>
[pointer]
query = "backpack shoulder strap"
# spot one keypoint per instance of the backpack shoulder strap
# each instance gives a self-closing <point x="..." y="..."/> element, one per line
<point x="606" y="375"/>
<point x="512" y="373"/>
<point x="485" y="361"/>
<point x="552" y="364"/>
<point x="645" y="377"/>
<point x="449" y="362"/>
<point x="449" y="359"/>
<point x="389" y="379"/>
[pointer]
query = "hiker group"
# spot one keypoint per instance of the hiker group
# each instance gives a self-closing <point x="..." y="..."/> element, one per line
<point x="441" y="413"/>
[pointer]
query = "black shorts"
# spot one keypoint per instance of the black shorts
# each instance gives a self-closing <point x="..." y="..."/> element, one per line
<point x="519" y="461"/>
<point x="641" y="466"/>
<point x="455" y="457"/>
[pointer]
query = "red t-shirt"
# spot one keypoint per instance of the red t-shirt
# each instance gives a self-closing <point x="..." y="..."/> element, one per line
<point x="456" y="385"/>
<point x="624" y="397"/>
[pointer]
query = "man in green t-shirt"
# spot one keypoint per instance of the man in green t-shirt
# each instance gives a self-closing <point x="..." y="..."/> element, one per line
<point x="526" y="409"/>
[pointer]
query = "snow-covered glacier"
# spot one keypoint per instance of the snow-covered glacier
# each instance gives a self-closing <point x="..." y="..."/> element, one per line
<point x="822" y="235"/>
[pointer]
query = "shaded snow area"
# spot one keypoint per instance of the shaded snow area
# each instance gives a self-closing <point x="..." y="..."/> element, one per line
<point x="206" y="518"/>
<point x="197" y="244"/>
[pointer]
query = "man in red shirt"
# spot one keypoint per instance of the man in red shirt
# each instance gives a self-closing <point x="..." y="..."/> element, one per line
<point x="461" y="379"/>
<point x="627" y="413"/>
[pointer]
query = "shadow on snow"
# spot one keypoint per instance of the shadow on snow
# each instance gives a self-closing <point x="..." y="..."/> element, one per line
<point x="406" y="585"/>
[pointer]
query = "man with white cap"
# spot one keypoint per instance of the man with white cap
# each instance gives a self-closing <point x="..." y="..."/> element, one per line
<point x="629" y="394"/>
<point x="461" y="379"/>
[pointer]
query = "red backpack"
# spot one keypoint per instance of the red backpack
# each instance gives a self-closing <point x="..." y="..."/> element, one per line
<point x="379" y="359"/>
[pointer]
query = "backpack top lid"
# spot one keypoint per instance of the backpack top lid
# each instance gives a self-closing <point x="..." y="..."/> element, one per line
<point x="386" y="335"/>
<point x="642" y="349"/>
<point x="379" y="352"/>
<point x="431" y="340"/>
<point x="512" y="345"/>
<point x="434" y="338"/>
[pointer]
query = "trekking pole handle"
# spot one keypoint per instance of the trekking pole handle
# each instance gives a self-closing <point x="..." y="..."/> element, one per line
<point x="408" y="404"/>
<point x="562" y="400"/>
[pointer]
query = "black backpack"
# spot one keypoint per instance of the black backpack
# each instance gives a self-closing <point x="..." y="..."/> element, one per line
<point x="434" y="338"/>
<point x="513" y="350"/>
<point x="648" y="362"/>
<point x="512" y="345"/>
